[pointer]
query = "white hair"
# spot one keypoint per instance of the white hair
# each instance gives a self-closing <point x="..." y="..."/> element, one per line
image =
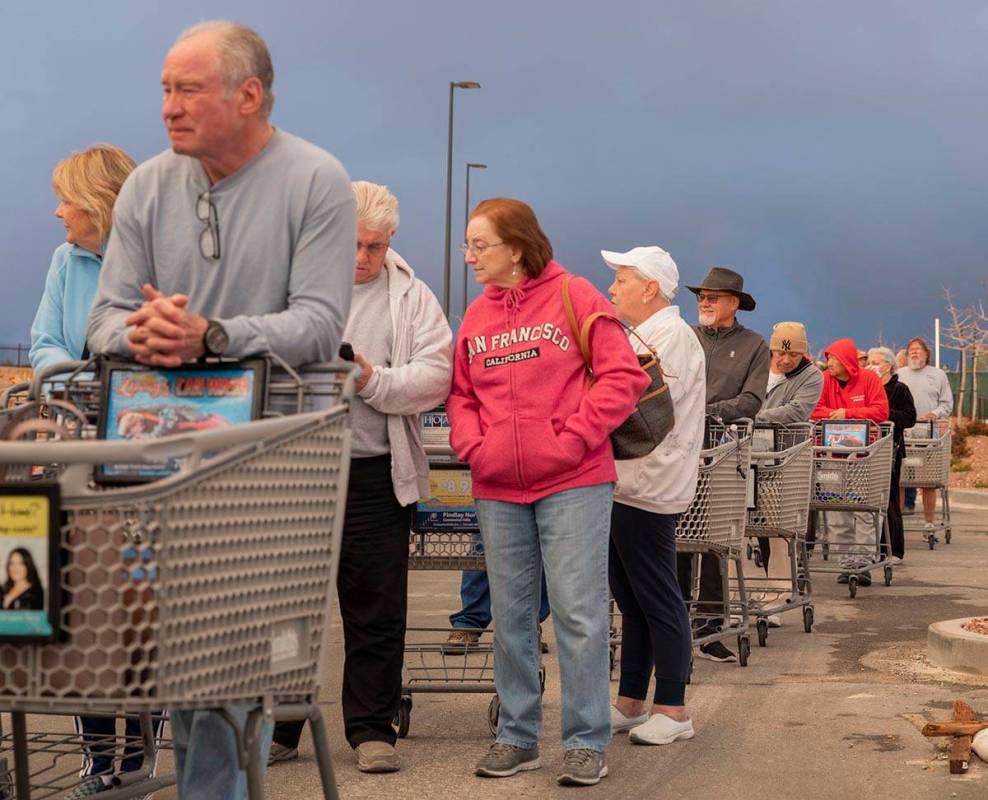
<point x="885" y="354"/>
<point x="645" y="279"/>
<point x="242" y="53"/>
<point x="377" y="207"/>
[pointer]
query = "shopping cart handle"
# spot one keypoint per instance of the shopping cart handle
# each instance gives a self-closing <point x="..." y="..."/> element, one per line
<point x="87" y="451"/>
<point x="68" y="369"/>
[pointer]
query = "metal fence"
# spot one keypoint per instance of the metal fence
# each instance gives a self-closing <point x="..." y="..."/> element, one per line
<point x="15" y="355"/>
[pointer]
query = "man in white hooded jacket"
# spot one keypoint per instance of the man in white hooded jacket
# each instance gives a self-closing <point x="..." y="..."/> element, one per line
<point x="403" y="346"/>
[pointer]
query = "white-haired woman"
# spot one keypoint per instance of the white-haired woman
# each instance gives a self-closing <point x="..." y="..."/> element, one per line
<point x="902" y="413"/>
<point x="87" y="185"/>
<point x="651" y="493"/>
<point x="403" y="345"/>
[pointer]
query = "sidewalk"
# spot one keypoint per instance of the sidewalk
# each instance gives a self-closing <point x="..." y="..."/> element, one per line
<point x="822" y="715"/>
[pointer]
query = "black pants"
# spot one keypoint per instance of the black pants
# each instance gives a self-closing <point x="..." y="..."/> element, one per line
<point x="897" y="534"/>
<point x="655" y="628"/>
<point x="711" y="590"/>
<point x="373" y="589"/>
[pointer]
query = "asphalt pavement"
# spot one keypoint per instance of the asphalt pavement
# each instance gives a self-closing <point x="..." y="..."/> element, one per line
<point x="833" y="713"/>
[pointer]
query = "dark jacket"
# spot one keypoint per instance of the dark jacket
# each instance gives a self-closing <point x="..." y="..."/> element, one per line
<point x="737" y="370"/>
<point x="31" y="600"/>
<point x="902" y="412"/>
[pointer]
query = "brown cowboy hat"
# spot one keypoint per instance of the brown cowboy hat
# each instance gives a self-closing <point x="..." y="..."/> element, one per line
<point x="721" y="279"/>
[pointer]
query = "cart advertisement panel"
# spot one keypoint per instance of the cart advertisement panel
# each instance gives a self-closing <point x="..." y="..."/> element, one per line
<point x="143" y="403"/>
<point x="28" y="540"/>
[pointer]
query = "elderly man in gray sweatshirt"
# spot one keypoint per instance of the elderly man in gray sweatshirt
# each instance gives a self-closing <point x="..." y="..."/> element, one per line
<point x="794" y="388"/>
<point x="794" y="383"/>
<point x="237" y="240"/>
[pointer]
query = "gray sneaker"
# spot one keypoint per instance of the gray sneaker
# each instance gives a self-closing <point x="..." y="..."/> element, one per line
<point x="582" y="767"/>
<point x="503" y="760"/>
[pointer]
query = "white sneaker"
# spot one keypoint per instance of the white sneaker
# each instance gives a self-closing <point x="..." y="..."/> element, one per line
<point x="661" y="729"/>
<point x="619" y="722"/>
<point x="774" y="620"/>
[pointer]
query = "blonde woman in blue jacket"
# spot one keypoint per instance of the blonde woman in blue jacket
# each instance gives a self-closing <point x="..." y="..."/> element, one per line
<point x="86" y="185"/>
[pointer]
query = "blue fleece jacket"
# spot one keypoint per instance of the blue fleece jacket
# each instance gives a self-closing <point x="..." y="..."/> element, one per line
<point x="58" y="332"/>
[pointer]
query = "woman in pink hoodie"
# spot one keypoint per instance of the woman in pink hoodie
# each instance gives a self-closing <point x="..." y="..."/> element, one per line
<point x="535" y="434"/>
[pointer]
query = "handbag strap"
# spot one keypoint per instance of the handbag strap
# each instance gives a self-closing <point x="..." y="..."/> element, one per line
<point x="582" y="333"/>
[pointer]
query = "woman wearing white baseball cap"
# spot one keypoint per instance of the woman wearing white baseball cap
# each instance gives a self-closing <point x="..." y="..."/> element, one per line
<point x="651" y="493"/>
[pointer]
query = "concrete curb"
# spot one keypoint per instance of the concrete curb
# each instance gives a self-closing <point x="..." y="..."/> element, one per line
<point x="950" y="646"/>
<point x="969" y="498"/>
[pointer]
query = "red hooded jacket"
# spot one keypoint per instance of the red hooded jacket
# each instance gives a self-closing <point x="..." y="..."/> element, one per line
<point x="862" y="395"/>
<point x="520" y="412"/>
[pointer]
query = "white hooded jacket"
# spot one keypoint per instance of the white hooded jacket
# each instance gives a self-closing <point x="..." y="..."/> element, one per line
<point x="664" y="481"/>
<point x="418" y="379"/>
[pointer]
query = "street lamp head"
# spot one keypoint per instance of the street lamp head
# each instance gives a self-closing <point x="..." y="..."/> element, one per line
<point x="466" y="84"/>
<point x="476" y="166"/>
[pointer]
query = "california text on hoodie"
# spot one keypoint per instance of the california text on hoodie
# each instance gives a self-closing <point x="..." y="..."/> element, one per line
<point x="862" y="394"/>
<point x="520" y="412"/>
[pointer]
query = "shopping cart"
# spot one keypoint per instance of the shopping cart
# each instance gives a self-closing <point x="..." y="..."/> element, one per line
<point x="926" y="465"/>
<point x="205" y="588"/>
<point x="714" y="524"/>
<point x="784" y="476"/>
<point x="853" y="482"/>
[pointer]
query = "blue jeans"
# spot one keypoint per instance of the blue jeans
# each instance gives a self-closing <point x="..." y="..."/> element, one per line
<point x="475" y="597"/>
<point x="567" y="533"/>
<point x="206" y="762"/>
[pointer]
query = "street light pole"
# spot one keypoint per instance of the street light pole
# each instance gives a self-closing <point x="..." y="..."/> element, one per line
<point x="466" y="221"/>
<point x="449" y="186"/>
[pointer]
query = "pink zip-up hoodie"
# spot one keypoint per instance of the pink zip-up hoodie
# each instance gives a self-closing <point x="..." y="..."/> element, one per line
<point x="520" y="411"/>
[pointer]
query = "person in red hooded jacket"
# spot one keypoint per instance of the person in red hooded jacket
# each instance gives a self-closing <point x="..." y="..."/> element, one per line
<point x="850" y="392"/>
<point x="535" y="435"/>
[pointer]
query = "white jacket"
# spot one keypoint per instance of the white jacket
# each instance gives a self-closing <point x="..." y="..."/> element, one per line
<point x="664" y="481"/>
<point x="417" y="380"/>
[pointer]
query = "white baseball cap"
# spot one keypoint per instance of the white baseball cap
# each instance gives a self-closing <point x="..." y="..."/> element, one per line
<point x="652" y="262"/>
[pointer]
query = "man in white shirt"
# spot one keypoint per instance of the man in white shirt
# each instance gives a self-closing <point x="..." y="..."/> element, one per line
<point x="934" y="401"/>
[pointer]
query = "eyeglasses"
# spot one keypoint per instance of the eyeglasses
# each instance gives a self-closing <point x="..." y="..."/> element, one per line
<point x="209" y="237"/>
<point x="707" y="297"/>
<point x="478" y="248"/>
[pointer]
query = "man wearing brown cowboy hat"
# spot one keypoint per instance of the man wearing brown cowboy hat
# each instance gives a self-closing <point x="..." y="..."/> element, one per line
<point x="737" y="376"/>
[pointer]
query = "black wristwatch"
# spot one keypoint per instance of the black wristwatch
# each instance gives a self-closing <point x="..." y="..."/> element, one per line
<point x="215" y="340"/>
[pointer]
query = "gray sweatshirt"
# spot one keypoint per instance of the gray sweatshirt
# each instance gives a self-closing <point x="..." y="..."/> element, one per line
<point x="737" y="370"/>
<point x="287" y="226"/>
<point x="794" y="398"/>
<point x="930" y="390"/>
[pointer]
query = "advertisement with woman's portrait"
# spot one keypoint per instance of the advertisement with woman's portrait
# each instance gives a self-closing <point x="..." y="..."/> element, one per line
<point x="26" y="547"/>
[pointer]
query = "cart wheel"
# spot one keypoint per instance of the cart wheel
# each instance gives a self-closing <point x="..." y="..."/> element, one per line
<point x="946" y="535"/>
<point x="748" y="551"/>
<point x="932" y="540"/>
<point x="541" y="680"/>
<point x="852" y="586"/>
<point x="762" y="628"/>
<point x="744" y="649"/>
<point x="888" y="574"/>
<point x="404" y="715"/>
<point x="808" y="619"/>
<point x="801" y="585"/>
<point x="826" y="551"/>
<point x="493" y="712"/>
<point x="757" y="558"/>
<point x="612" y="657"/>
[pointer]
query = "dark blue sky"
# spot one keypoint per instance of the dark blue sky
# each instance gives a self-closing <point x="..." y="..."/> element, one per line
<point x="835" y="153"/>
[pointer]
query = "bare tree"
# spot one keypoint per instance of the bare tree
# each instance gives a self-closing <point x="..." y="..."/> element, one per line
<point x="960" y="335"/>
